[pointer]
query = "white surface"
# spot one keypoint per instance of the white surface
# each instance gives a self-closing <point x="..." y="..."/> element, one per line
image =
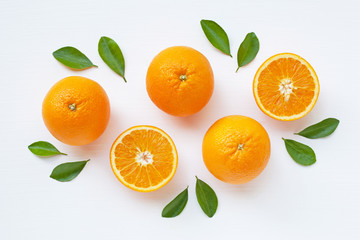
<point x="287" y="201"/>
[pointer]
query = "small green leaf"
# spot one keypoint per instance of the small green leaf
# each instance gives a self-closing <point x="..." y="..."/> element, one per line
<point x="206" y="198"/>
<point x="111" y="54"/>
<point x="216" y="35"/>
<point x="301" y="153"/>
<point x="248" y="50"/>
<point x="176" y="206"/>
<point x="73" y="58"/>
<point x="44" y="149"/>
<point x="68" y="171"/>
<point x="321" y="129"/>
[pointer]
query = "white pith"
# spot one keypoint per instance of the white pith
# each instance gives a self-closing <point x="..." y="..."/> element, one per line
<point x="286" y="88"/>
<point x="144" y="158"/>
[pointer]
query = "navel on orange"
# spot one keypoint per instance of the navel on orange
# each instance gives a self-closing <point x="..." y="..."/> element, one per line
<point x="286" y="87"/>
<point x="144" y="158"/>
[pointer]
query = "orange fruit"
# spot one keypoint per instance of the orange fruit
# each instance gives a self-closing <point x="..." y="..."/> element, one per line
<point x="236" y="149"/>
<point x="286" y="87"/>
<point x="144" y="158"/>
<point x="76" y="110"/>
<point x="180" y="81"/>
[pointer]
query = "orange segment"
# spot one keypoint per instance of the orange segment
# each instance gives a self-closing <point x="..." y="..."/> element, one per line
<point x="144" y="158"/>
<point x="286" y="87"/>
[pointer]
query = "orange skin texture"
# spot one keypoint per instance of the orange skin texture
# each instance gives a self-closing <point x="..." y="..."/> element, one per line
<point x="169" y="92"/>
<point x="87" y="122"/>
<point x="222" y="156"/>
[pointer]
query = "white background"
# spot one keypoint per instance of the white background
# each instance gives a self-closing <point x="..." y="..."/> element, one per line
<point x="287" y="201"/>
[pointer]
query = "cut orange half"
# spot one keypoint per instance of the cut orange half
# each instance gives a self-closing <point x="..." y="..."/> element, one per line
<point x="286" y="87"/>
<point x="144" y="158"/>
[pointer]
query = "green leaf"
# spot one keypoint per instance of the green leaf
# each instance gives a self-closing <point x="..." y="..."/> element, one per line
<point x="73" y="58"/>
<point x="216" y="35"/>
<point x="301" y="153"/>
<point x="248" y="50"/>
<point x="176" y="206"/>
<point x="206" y="198"/>
<point x="44" y="149"/>
<point x="111" y="54"/>
<point x="68" y="171"/>
<point x="321" y="129"/>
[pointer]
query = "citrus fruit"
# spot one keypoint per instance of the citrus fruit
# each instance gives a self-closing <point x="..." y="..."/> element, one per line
<point x="76" y="110"/>
<point x="286" y="87"/>
<point x="144" y="158"/>
<point x="180" y="81"/>
<point x="236" y="149"/>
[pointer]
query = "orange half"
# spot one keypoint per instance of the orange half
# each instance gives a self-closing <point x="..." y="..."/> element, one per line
<point x="286" y="87"/>
<point x="144" y="158"/>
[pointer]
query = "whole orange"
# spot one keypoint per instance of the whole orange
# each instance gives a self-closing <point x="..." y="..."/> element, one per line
<point x="76" y="110"/>
<point x="180" y="81"/>
<point x="236" y="149"/>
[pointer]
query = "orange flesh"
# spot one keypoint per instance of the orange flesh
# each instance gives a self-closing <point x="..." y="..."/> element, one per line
<point x="144" y="159"/>
<point x="302" y="92"/>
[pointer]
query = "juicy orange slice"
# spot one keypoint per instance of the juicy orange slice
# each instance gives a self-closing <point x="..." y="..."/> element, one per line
<point x="286" y="87"/>
<point x="144" y="158"/>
